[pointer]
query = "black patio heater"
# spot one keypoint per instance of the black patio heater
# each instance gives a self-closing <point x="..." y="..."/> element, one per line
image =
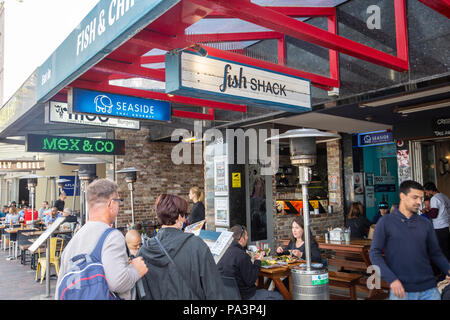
<point x="87" y="172"/>
<point x="308" y="283"/>
<point x="32" y="181"/>
<point x="130" y="178"/>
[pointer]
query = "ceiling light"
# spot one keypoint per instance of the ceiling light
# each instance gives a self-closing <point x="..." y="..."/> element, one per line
<point x="406" y="97"/>
<point x="424" y="107"/>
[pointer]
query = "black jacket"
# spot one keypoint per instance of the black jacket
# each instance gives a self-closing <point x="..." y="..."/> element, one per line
<point x="197" y="213"/>
<point x="199" y="277"/>
<point x="359" y="227"/>
<point x="237" y="263"/>
<point x="315" y="251"/>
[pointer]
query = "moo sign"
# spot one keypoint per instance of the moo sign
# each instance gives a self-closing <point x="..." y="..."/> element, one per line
<point x="62" y="144"/>
<point x="58" y="112"/>
<point x="190" y="74"/>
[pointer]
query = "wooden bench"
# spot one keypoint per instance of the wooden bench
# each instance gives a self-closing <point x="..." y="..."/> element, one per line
<point x="344" y="280"/>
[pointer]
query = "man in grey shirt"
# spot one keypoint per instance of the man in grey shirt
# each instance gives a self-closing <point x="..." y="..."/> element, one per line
<point x="121" y="274"/>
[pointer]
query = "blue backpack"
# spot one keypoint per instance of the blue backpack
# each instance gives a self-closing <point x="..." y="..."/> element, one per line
<point x="85" y="279"/>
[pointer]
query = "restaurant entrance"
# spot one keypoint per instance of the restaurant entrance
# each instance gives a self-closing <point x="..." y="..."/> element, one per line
<point x="23" y="191"/>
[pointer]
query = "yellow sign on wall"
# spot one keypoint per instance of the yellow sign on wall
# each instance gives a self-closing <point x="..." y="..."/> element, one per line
<point x="236" y="179"/>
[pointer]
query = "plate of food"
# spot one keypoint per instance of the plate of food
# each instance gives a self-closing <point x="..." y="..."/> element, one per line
<point x="269" y="263"/>
<point x="287" y="259"/>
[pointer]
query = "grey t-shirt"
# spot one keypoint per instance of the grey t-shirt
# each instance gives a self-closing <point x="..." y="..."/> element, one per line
<point x="120" y="275"/>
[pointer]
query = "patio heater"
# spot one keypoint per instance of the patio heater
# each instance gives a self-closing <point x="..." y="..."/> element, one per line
<point x="87" y="168"/>
<point x="130" y="178"/>
<point x="61" y="183"/>
<point x="75" y="188"/>
<point x="32" y="181"/>
<point x="308" y="283"/>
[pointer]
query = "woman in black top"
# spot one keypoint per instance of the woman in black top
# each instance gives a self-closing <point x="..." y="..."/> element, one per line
<point x="357" y="222"/>
<point x="198" y="210"/>
<point x="297" y="243"/>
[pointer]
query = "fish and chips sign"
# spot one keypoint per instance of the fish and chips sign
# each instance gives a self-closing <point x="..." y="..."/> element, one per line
<point x="16" y="165"/>
<point x="190" y="74"/>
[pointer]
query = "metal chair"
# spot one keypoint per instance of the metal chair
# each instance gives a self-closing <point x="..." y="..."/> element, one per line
<point x="54" y="258"/>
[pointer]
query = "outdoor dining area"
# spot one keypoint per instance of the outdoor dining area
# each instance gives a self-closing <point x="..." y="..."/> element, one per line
<point x="347" y="263"/>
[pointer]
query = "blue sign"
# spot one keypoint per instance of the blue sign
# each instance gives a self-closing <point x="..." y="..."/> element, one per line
<point x="108" y="25"/>
<point x="114" y="105"/>
<point x="375" y="138"/>
<point x="69" y="186"/>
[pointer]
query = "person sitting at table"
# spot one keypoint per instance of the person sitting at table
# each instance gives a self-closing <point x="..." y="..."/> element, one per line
<point x="22" y="211"/>
<point x="54" y="214"/>
<point x="12" y="217"/>
<point x="296" y="244"/>
<point x="357" y="222"/>
<point x="383" y="209"/>
<point x="3" y="212"/>
<point x="27" y="216"/>
<point x="236" y="263"/>
<point x="44" y="210"/>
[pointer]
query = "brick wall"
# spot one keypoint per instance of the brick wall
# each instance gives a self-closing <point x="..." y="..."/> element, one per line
<point x="158" y="175"/>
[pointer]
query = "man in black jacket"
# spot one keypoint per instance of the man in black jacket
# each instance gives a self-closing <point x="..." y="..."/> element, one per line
<point x="237" y="263"/>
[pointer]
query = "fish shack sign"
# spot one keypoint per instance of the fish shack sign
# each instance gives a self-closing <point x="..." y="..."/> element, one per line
<point x="191" y="74"/>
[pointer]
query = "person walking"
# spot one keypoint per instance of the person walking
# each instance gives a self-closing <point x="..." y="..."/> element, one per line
<point x="182" y="266"/>
<point x="408" y="242"/>
<point x="120" y="273"/>
<point x="439" y="213"/>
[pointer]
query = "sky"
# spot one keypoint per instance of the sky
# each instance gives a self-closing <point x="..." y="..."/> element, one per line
<point x="33" y="30"/>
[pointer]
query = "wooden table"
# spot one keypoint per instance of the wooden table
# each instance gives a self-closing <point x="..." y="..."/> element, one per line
<point x="353" y="256"/>
<point x="275" y="274"/>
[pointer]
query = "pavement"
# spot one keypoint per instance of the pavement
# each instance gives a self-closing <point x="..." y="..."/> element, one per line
<point x="17" y="281"/>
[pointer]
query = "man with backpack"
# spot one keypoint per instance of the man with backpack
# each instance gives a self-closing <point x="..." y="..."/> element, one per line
<point x="95" y="265"/>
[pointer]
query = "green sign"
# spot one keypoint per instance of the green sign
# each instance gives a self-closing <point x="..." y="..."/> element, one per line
<point x="319" y="279"/>
<point x="63" y="144"/>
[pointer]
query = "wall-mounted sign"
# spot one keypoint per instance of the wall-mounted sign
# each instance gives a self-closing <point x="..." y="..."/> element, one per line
<point x="210" y="77"/>
<point x="236" y="179"/>
<point x="441" y="126"/>
<point x="17" y="165"/>
<point x="69" y="186"/>
<point x="58" y="112"/>
<point x="114" y="105"/>
<point x="105" y="27"/>
<point x="375" y="138"/>
<point x="63" y="144"/>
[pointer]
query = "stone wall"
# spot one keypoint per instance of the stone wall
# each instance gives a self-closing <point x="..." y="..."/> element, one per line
<point x="158" y="175"/>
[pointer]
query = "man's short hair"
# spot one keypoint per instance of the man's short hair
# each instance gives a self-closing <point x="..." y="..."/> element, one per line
<point x="430" y="186"/>
<point x="100" y="191"/>
<point x="45" y="201"/>
<point x="68" y="210"/>
<point x="406" y="186"/>
<point x="238" y="231"/>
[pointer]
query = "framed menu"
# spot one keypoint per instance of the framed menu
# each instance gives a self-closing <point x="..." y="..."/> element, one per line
<point x="52" y="228"/>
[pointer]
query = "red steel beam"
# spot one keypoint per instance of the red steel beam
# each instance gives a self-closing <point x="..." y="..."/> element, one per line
<point x="401" y="30"/>
<point x="334" y="55"/>
<point x="193" y="115"/>
<point x="441" y="6"/>
<point x="130" y="70"/>
<point x="288" y="11"/>
<point x="145" y="38"/>
<point x="237" y="36"/>
<point x="153" y="59"/>
<point x="158" y="96"/>
<point x="281" y="44"/>
<point x="276" y="21"/>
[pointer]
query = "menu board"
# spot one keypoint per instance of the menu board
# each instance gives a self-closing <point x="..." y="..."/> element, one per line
<point x="221" y="212"/>
<point x="52" y="228"/>
<point x="220" y="176"/>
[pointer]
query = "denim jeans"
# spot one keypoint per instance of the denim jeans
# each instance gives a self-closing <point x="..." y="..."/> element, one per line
<point x="262" y="294"/>
<point x="430" y="294"/>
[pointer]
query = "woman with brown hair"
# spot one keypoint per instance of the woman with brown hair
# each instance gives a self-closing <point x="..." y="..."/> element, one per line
<point x="181" y="264"/>
<point x="357" y="222"/>
<point x="198" y="209"/>
<point x="296" y="245"/>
